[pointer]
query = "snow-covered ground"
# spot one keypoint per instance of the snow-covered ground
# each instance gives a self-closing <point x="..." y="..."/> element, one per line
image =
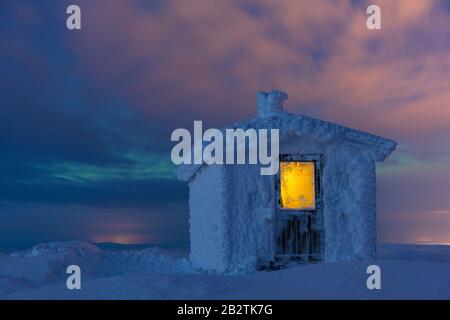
<point x="407" y="272"/>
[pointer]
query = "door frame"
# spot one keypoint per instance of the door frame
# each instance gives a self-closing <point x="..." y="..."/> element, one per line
<point x="316" y="214"/>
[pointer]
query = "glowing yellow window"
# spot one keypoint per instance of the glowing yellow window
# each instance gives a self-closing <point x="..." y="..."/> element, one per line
<point x="297" y="186"/>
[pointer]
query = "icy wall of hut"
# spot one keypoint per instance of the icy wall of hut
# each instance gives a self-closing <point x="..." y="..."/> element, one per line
<point x="233" y="208"/>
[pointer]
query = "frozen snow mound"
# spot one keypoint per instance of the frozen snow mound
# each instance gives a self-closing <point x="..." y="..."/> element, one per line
<point x="76" y="247"/>
<point x="150" y="260"/>
<point x="95" y="261"/>
<point x="46" y="264"/>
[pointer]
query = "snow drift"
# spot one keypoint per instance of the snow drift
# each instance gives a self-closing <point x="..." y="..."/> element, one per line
<point x="408" y="272"/>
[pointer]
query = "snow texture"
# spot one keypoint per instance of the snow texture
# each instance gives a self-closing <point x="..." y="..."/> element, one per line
<point x="232" y="207"/>
<point x="408" y="272"/>
<point x="207" y="203"/>
<point x="270" y="103"/>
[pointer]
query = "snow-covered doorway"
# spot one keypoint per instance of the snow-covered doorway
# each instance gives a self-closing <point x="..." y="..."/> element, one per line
<point x="299" y="227"/>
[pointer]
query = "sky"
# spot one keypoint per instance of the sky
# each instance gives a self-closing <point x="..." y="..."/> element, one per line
<point x="86" y="115"/>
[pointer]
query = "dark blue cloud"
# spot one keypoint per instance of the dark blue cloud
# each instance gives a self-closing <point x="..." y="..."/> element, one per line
<point x="50" y="115"/>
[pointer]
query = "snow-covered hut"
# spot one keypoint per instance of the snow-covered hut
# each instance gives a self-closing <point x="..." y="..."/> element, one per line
<point x="321" y="206"/>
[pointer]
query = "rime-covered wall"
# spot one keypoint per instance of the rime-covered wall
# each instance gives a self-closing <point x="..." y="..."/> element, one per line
<point x="348" y="190"/>
<point x="231" y="224"/>
<point x="250" y="206"/>
<point x="349" y="204"/>
<point x="233" y="208"/>
<point x="209" y="219"/>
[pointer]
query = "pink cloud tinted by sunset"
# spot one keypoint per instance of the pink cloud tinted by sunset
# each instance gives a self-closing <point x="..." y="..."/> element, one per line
<point x="391" y="82"/>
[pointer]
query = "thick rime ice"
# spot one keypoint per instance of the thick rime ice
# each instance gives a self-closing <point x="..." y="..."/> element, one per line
<point x="232" y="207"/>
<point x="270" y="103"/>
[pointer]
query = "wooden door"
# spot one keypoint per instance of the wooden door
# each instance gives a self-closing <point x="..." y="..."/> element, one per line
<point x="299" y="226"/>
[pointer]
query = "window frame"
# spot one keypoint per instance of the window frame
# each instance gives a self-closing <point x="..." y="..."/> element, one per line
<point x="317" y="159"/>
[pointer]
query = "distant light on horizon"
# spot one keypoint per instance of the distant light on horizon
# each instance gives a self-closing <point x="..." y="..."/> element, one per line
<point x="126" y="227"/>
<point x="122" y="239"/>
<point x="432" y="243"/>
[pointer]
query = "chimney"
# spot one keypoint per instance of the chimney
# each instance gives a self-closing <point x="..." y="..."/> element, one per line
<point x="270" y="103"/>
